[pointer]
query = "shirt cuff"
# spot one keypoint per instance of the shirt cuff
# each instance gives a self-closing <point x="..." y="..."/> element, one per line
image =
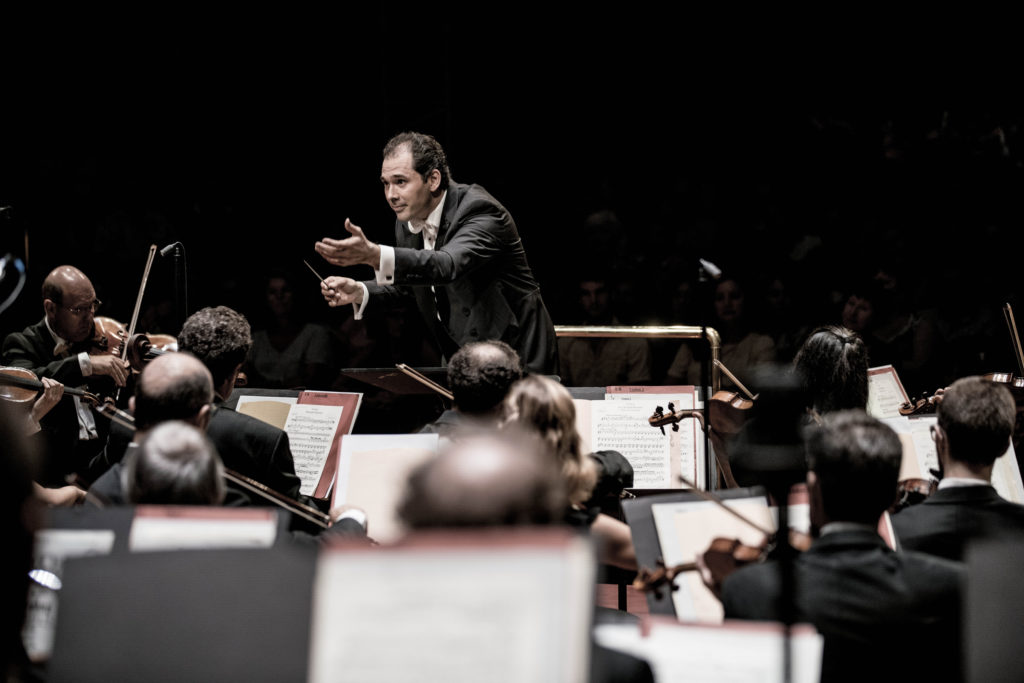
<point x="386" y="272"/>
<point x="358" y="308"/>
<point x="354" y="514"/>
<point x="85" y="364"/>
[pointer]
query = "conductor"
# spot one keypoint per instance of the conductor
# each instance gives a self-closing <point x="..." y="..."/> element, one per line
<point x="457" y="251"/>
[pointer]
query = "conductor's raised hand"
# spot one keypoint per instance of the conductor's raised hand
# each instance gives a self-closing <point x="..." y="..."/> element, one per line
<point x="351" y="251"/>
<point x="340" y="291"/>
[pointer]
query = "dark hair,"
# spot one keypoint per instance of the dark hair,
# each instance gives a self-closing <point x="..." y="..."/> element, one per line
<point x="856" y="459"/>
<point x="218" y="336"/>
<point x="174" y="465"/>
<point x="874" y="292"/>
<point x="480" y="375"/>
<point x="833" y="366"/>
<point x="427" y="154"/>
<point x="182" y="399"/>
<point x="977" y="417"/>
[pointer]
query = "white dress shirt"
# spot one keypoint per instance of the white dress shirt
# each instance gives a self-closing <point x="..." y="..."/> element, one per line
<point x="385" y="272"/>
<point x="86" y="420"/>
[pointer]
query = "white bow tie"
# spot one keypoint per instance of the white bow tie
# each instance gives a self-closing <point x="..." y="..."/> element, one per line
<point x="415" y="227"/>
